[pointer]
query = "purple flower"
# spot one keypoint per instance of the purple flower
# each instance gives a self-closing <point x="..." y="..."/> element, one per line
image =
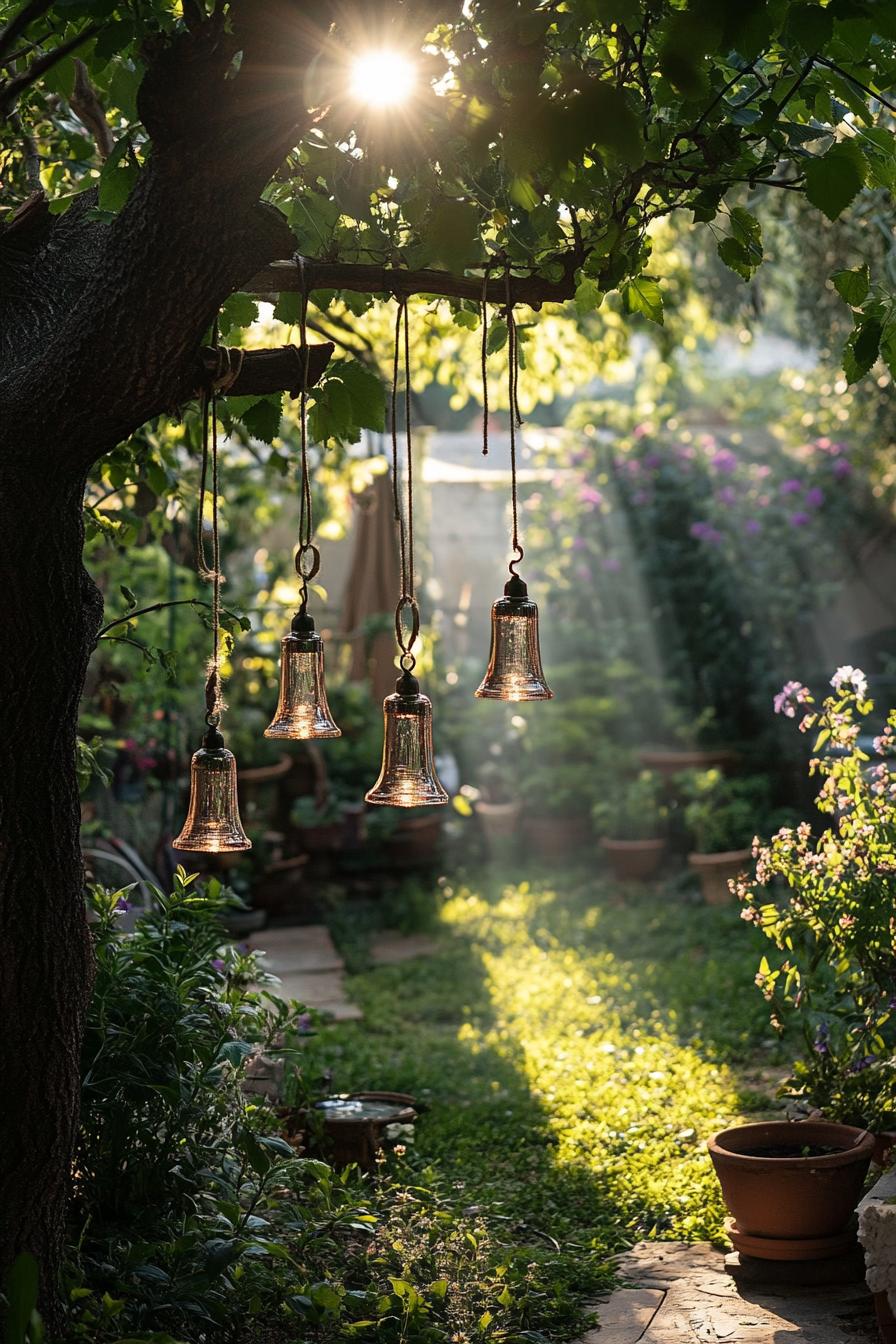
<point x="791" y="486"/>
<point x="303" y="1024"/>
<point x="705" y="532"/>
<point x="822" y="1035"/>
<point x="652" y="461"/>
<point x="122" y="904"/>
<point x="641" y="497"/>
<point x="841" y="468"/>
<point x="727" y="495"/>
<point x="752" y="527"/>
<point x="588" y="495"/>
<point x="799" y="519"/>
<point x="579" y="544"/>
<point x="815" y="497"/>
<point x="218" y="964"/>
<point x="611" y="564"/>
<point x="724" y="461"/>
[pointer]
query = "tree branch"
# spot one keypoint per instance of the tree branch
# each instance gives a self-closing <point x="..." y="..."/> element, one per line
<point x="10" y="89"/>
<point x="86" y="105"/>
<point x="17" y="25"/>
<point x="532" y="290"/>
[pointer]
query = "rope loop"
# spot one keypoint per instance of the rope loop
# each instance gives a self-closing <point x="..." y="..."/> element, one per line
<point x="407" y="642"/>
<point x="307" y="550"/>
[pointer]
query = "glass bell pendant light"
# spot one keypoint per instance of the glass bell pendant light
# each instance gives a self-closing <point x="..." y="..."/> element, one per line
<point x="408" y="775"/>
<point x="302" y="712"/>
<point x="514" y="664"/>
<point x="213" y="823"/>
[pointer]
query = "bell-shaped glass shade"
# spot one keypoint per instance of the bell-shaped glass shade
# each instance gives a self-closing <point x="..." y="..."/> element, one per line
<point x="213" y="823"/>
<point x="408" y="775"/>
<point x="303" y="711"/>
<point x="514" y="664"/>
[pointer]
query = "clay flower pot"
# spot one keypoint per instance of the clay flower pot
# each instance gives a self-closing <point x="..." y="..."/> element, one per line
<point x="714" y="871"/>
<point x="498" y="821"/>
<point x="669" y="762"/>
<point x="633" y="860"/>
<point x="791" y="1188"/>
<point x="558" y="837"/>
<point x="416" y="839"/>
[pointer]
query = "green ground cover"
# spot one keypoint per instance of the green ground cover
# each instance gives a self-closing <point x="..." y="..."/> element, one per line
<point x="574" y="1045"/>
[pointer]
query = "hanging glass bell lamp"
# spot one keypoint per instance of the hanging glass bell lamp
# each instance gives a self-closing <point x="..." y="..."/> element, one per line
<point x="213" y="823"/>
<point x="302" y="712"/>
<point x="408" y="775"/>
<point x="514" y="664"/>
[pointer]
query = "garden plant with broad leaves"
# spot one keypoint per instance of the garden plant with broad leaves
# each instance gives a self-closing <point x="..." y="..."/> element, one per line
<point x="157" y="159"/>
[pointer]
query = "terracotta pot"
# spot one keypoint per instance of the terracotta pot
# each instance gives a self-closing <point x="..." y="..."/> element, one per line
<point x="498" y="821"/>
<point x="558" y="837"/>
<point x="714" y="870"/>
<point x="790" y="1206"/>
<point x="416" y="840"/>
<point x="670" y="761"/>
<point x="633" y="860"/>
<point x="886" y="1321"/>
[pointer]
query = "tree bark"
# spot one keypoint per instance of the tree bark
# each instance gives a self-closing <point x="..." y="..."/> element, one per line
<point x="52" y="611"/>
<point x="75" y="293"/>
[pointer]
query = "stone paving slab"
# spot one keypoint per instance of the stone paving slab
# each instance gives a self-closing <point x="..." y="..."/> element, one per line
<point x="308" y="947"/>
<point x="694" y="1301"/>
<point x="309" y="969"/>
<point x="391" y="948"/>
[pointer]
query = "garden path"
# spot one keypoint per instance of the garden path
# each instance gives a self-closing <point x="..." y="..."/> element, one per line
<point x="683" y="1295"/>
<point x="309" y="968"/>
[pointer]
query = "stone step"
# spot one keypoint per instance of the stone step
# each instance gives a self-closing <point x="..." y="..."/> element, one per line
<point x="308" y="947"/>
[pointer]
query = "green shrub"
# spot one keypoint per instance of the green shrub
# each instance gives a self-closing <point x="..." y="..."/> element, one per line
<point x="632" y="809"/>
<point x="723" y="814"/>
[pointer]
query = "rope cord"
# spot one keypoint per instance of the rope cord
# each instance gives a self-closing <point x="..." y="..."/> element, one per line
<point x="406" y="600"/>
<point x="307" y="558"/>
<point x="513" y="376"/>
<point x="483" y="313"/>
<point x="224" y="376"/>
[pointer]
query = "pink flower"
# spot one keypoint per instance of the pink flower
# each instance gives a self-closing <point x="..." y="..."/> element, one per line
<point x="588" y="495"/>
<point x="791" y="694"/>
<point x="705" y="532"/>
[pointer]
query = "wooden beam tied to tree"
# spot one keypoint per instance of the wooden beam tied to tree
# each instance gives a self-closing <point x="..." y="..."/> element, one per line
<point x="264" y="371"/>
<point x="532" y="290"/>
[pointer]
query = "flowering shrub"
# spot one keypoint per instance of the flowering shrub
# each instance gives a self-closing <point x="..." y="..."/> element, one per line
<point x="675" y="540"/>
<point x="836" y="934"/>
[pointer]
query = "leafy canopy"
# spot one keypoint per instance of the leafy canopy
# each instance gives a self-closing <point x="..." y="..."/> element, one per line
<point x="542" y="136"/>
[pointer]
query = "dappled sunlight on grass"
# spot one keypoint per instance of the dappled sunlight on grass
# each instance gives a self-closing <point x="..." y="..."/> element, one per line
<point x="623" y="1096"/>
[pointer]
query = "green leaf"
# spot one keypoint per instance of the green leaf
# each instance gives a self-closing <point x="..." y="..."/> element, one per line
<point x="117" y="178"/>
<point x="836" y="179"/>
<point x="21" y="1297"/>
<point x="469" y="321"/>
<point x="129" y="597"/>
<point x="497" y="336"/>
<point x="288" y="307"/>
<point x="853" y="285"/>
<point x="862" y="349"/>
<point x="589" y="296"/>
<point x="366" y="392"/>
<point x="735" y="257"/>
<point x="809" y="27"/>
<point x="644" y="295"/>
<point x="240" y="310"/>
<point x="453" y="233"/>
<point x="262" y="419"/>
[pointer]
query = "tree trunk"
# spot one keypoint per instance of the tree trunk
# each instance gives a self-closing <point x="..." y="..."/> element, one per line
<point x="52" y="614"/>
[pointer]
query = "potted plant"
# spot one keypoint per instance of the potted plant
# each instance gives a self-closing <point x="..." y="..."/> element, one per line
<point x="498" y="806"/>
<point x="316" y="824"/>
<point x="630" y="821"/>
<point x="792" y="1188"/>
<point x="832" y="971"/>
<point x="688" y="747"/>
<point x="722" y="816"/>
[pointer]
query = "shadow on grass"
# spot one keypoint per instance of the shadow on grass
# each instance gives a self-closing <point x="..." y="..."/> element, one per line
<point x="572" y="1045"/>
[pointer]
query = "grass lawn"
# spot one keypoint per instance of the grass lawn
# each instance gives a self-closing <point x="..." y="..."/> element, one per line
<point x="574" y="1045"/>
